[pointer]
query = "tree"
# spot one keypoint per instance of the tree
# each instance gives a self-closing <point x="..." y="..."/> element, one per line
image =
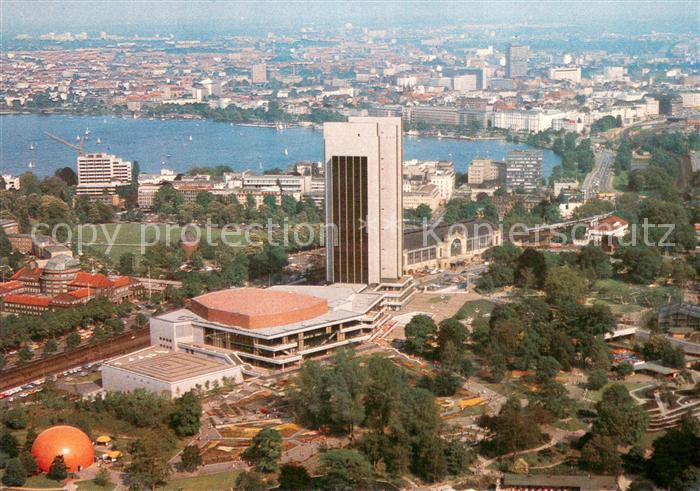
<point x="58" y="470"/>
<point x="547" y="368"/>
<point x="624" y="370"/>
<point x="9" y="444"/>
<point x="149" y="463"/>
<point x="619" y="416"/>
<point x="265" y="450"/>
<point x="103" y="478"/>
<point x="345" y="469"/>
<point x="600" y="455"/>
<point x="450" y="340"/>
<point x="593" y="259"/>
<point x="597" y="379"/>
<point x="660" y="348"/>
<point x="249" y="481"/>
<point x="419" y="330"/>
<point x="458" y="457"/>
<point x="15" y="418"/>
<point x="675" y="453"/>
<point x="30" y="437"/>
<point x="72" y="341"/>
<point x="554" y="398"/>
<point x="25" y="354"/>
<point x="534" y="262"/>
<point x="50" y="347"/>
<point x="185" y="420"/>
<point x="15" y="473"/>
<point x="191" y="458"/>
<point x="641" y="263"/>
<point x="564" y="285"/>
<point x="514" y="428"/>
<point x="126" y="263"/>
<point x="294" y="477"/>
<point x="429" y="462"/>
<point x="28" y="462"/>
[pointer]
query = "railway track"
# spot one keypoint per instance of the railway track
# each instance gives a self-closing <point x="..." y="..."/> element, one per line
<point x="118" y="345"/>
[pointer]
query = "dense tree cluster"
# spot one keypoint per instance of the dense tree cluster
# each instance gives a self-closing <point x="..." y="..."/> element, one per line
<point x="17" y="330"/>
<point x="519" y="335"/>
<point x="401" y="422"/>
<point x="144" y="409"/>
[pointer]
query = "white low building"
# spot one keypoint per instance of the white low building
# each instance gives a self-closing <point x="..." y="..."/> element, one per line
<point x="169" y="373"/>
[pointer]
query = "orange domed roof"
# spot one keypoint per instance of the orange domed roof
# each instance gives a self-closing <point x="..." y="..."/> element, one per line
<point x="72" y="443"/>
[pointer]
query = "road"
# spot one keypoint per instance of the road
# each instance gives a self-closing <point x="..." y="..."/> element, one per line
<point x="599" y="180"/>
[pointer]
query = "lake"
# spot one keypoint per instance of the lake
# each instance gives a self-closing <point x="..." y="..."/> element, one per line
<point x="181" y="144"/>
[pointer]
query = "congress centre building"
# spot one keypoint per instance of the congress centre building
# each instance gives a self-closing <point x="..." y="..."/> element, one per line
<point x="275" y="327"/>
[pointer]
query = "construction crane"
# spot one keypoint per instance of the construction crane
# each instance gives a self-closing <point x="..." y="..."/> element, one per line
<point x="78" y="148"/>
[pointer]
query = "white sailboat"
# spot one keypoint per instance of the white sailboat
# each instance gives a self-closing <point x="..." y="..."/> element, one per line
<point x="98" y="140"/>
<point x="286" y="152"/>
<point x="30" y="165"/>
<point x="190" y="138"/>
<point x="31" y="146"/>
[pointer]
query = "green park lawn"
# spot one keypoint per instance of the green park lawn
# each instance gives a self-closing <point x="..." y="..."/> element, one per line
<point x="620" y="181"/>
<point x="128" y="237"/>
<point x="469" y="309"/>
<point x="40" y="482"/>
<point x="618" y="292"/>
<point x="91" y="486"/>
<point x="213" y="482"/>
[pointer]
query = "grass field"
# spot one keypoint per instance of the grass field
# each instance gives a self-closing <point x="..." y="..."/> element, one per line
<point x="91" y="486"/>
<point x="215" y="482"/>
<point x="618" y="292"/>
<point x="469" y="309"/>
<point x="132" y="237"/>
<point x="38" y="482"/>
<point x="620" y="181"/>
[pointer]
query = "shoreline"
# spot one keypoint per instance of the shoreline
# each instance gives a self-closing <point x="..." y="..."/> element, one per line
<point x="268" y="145"/>
<point x="245" y="124"/>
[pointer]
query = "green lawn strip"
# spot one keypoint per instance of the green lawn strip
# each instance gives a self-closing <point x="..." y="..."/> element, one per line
<point x="212" y="482"/>
<point x="469" y="309"/>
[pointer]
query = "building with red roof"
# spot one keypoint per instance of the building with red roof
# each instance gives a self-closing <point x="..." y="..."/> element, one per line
<point x="60" y="284"/>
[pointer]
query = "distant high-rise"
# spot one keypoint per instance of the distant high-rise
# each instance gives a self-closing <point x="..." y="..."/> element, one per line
<point x="524" y="169"/>
<point x="258" y="74"/>
<point x="364" y="240"/>
<point x="99" y="174"/>
<point x="101" y="168"/>
<point x="516" y="60"/>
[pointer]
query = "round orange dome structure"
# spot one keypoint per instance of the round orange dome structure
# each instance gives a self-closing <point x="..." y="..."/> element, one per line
<point x="72" y="443"/>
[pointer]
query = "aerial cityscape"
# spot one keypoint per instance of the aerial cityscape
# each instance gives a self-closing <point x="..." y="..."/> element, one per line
<point x="350" y="245"/>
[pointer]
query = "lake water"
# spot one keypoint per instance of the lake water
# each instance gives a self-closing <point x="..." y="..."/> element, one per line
<point x="181" y="144"/>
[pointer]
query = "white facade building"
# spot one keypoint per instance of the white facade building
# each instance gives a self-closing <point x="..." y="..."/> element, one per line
<point x="572" y="74"/>
<point x="532" y="121"/>
<point x="169" y="373"/>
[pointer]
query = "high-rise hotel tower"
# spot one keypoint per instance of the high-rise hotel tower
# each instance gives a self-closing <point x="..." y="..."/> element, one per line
<point x="364" y="236"/>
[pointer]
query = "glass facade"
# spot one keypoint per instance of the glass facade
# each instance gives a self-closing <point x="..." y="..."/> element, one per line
<point x="349" y="215"/>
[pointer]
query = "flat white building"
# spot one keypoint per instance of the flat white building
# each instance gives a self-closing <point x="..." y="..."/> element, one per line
<point x="485" y="170"/>
<point x="169" y="373"/>
<point x="532" y="121"/>
<point x="572" y="74"/>
<point x="101" y="168"/>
